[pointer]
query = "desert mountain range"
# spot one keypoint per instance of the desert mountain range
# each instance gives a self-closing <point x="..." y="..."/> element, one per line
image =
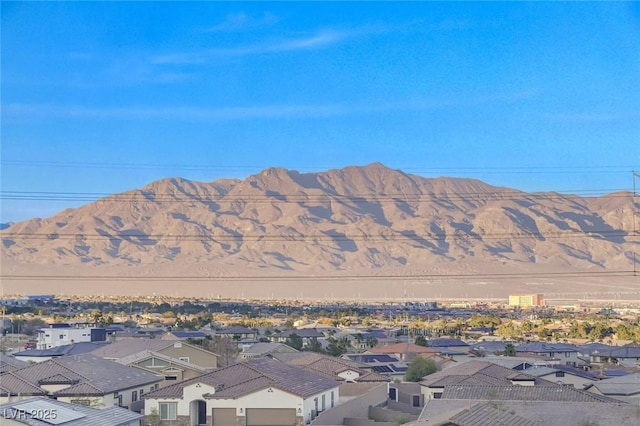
<point x="369" y="219"/>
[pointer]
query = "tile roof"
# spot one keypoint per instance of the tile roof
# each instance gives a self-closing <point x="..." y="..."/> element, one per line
<point x="141" y="356"/>
<point x="262" y="348"/>
<point x="251" y="376"/>
<point x="93" y="374"/>
<point x="11" y="384"/>
<point x="236" y="329"/>
<point x="522" y="393"/>
<point x="477" y="372"/>
<point x="9" y="363"/>
<point x="621" y="385"/>
<point x="328" y="366"/>
<point x="548" y="413"/>
<point x="489" y="414"/>
<point x="80" y="415"/>
<point x="305" y="333"/>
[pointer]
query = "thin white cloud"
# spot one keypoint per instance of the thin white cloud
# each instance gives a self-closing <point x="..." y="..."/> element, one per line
<point x="315" y="41"/>
<point x="241" y="21"/>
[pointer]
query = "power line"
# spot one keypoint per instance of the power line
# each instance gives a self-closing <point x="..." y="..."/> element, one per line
<point x="333" y="277"/>
<point x="409" y="236"/>
<point x="356" y="198"/>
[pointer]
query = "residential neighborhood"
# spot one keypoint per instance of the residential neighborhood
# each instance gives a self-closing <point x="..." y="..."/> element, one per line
<point x="247" y="363"/>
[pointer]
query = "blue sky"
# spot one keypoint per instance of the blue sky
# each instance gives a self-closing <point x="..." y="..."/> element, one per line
<point x="106" y="97"/>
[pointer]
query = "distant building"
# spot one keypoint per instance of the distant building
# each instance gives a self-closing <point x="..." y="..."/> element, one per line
<point x="526" y="300"/>
<point x="62" y="334"/>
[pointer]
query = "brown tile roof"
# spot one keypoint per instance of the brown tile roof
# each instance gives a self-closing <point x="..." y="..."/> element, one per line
<point x="9" y="363"/>
<point x="478" y="372"/>
<point x="247" y="377"/>
<point x="522" y="393"/>
<point x="488" y="414"/>
<point x="329" y="366"/>
<point x="11" y="384"/>
<point x="102" y="375"/>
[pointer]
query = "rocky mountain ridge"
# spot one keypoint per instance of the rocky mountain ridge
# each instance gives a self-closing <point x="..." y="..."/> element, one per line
<point x="369" y="218"/>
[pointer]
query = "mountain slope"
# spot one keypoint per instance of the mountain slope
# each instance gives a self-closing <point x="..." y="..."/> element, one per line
<point x="369" y="218"/>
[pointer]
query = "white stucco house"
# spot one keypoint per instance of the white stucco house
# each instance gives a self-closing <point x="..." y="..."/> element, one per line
<point x="257" y="392"/>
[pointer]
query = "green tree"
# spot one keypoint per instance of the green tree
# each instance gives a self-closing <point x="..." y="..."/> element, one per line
<point x="420" y="340"/>
<point x="509" y="350"/>
<point x="420" y="367"/>
<point x="314" y="345"/>
<point x="294" y="341"/>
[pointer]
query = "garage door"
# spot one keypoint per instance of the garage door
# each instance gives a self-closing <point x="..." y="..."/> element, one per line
<point x="224" y="416"/>
<point x="271" y="416"/>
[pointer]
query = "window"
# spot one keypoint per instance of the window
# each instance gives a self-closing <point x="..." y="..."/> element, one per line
<point x="184" y="358"/>
<point x="134" y="396"/>
<point x="168" y="411"/>
<point x="567" y="354"/>
<point x="559" y="373"/>
<point x="332" y="399"/>
<point x="323" y="401"/>
<point x="171" y="377"/>
<point x="141" y="392"/>
<point x="61" y="336"/>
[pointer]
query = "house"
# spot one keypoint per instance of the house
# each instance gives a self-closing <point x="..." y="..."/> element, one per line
<point x="168" y="368"/>
<point x="564" y="375"/>
<point x="263" y="349"/>
<point x="256" y="392"/>
<point x="475" y="373"/>
<point x="567" y="354"/>
<point x="627" y="356"/>
<point x="175" y="349"/>
<point x="63" y="334"/>
<point x="306" y="334"/>
<point x="184" y="335"/>
<point x="622" y="387"/>
<point x="43" y="411"/>
<point x="452" y="348"/>
<point x="383" y="364"/>
<point x="81" y="379"/>
<point x="39" y="355"/>
<point x="404" y="351"/>
<point x="237" y="332"/>
<point x="339" y="369"/>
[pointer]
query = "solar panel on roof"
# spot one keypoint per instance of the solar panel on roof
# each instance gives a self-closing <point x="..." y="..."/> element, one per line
<point x="48" y="412"/>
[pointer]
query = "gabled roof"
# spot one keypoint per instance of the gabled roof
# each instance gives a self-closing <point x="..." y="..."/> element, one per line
<point x="11" y="384"/>
<point x="9" y="363"/>
<point x="622" y="385"/>
<point x="487" y="414"/>
<point x="328" y="366"/>
<point x="522" y="393"/>
<point x="67" y="414"/>
<point x="247" y="377"/>
<point x="621" y="352"/>
<point x="189" y="334"/>
<point x="91" y="373"/>
<point x="477" y="372"/>
<point x="263" y="348"/>
<point x="144" y="355"/>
